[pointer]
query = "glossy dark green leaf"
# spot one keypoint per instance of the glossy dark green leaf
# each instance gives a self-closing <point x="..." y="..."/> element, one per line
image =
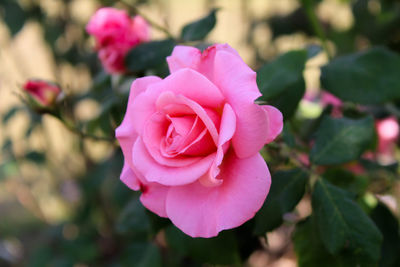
<point x="199" y="29"/>
<point x="14" y="16"/>
<point x="347" y="180"/>
<point x="310" y="250"/>
<point x="141" y="255"/>
<point x="148" y="55"/>
<point x="342" y="140"/>
<point x="287" y="189"/>
<point x="133" y="218"/>
<point x="389" y="226"/>
<point x="281" y="81"/>
<point x="222" y="249"/>
<point x="343" y="224"/>
<point x="368" y="77"/>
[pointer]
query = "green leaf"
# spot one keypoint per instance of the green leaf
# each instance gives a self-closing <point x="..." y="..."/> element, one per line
<point x="133" y="218"/>
<point x="199" y="29"/>
<point x="288" y="135"/>
<point x="311" y="252"/>
<point x="372" y="166"/>
<point x="369" y="77"/>
<point x="281" y="81"/>
<point x="222" y="249"/>
<point x="342" y="140"/>
<point x="141" y="255"/>
<point x="11" y="113"/>
<point x="148" y="55"/>
<point x="36" y="157"/>
<point x="14" y="16"/>
<point x="287" y="189"/>
<point x="347" y="180"/>
<point x="389" y="226"/>
<point x="343" y="224"/>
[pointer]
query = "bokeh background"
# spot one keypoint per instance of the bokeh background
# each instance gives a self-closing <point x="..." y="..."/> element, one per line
<point x="48" y="173"/>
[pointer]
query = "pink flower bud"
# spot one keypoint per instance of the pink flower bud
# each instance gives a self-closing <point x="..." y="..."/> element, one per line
<point x="43" y="92"/>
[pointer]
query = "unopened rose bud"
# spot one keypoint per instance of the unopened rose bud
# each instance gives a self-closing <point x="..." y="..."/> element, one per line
<point x="42" y="92"/>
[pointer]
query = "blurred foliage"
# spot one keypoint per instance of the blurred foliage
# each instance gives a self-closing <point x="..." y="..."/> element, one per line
<point x="106" y="225"/>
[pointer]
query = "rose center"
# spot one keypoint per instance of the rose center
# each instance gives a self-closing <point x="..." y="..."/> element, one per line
<point x="186" y="135"/>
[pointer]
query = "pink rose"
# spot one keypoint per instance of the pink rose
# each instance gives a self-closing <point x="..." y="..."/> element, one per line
<point x="191" y="141"/>
<point x="43" y="92"/>
<point x="115" y="34"/>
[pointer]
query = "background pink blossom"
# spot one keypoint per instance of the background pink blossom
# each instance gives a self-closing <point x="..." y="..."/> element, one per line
<point x="116" y="33"/>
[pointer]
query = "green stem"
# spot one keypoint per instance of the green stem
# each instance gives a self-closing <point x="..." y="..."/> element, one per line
<point x="150" y="21"/>
<point x="70" y="126"/>
<point x="316" y="25"/>
<point x="77" y="131"/>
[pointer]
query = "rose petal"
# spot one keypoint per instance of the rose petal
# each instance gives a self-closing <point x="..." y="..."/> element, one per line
<point x="168" y="102"/>
<point x="193" y="58"/>
<point x="201" y="211"/>
<point x="154" y="198"/>
<point x="183" y="57"/>
<point x="125" y="132"/>
<point x="141" y="28"/>
<point x="153" y="194"/>
<point x="108" y="21"/>
<point x="238" y="84"/>
<point x="227" y="130"/>
<point x="129" y="178"/>
<point x="154" y="172"/>
<point x="275" y="122"/>
<point x="154" y="133"/>
<point x="194" y="86"/>
<point x="201" y="146"/>
<point x="144" y="106"/>
<point x="251" y="130"/>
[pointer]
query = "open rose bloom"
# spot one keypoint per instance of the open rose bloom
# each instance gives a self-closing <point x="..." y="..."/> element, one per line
<point x="116" y="33"/>
<point x="191" y="141"/>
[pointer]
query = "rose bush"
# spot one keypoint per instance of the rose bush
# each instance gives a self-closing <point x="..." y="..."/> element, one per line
<point x="116" y="33"/>
<point x="191" y="141"/>
<point x="42" y="92"/>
